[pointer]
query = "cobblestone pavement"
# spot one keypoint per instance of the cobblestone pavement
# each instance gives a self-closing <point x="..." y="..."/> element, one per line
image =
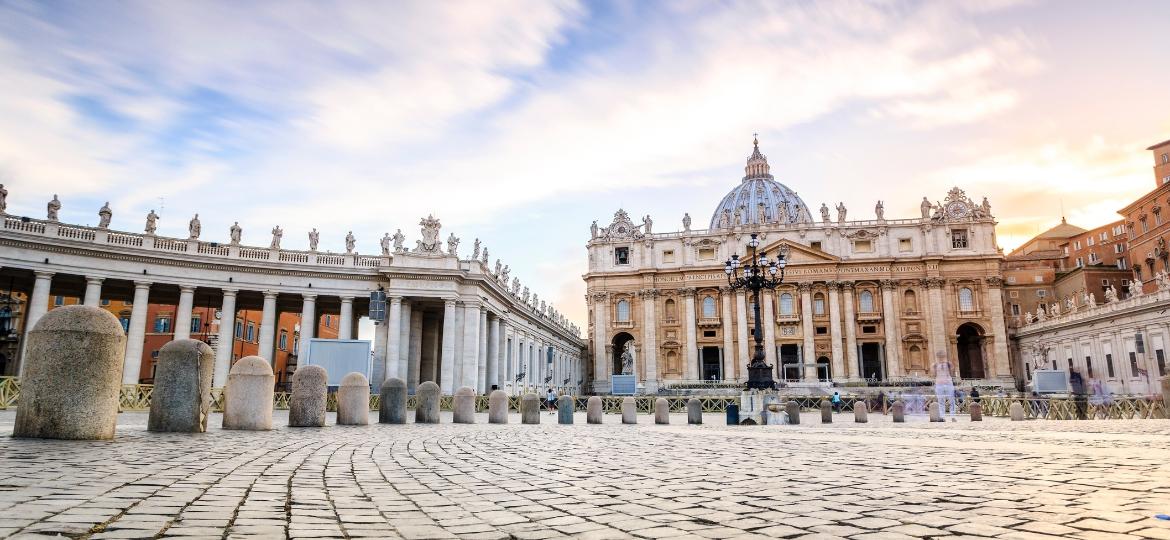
<point x="998" y="479"/>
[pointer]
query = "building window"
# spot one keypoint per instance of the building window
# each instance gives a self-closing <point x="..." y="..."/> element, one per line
<point x="239" y="329"/>
<point x="1038" y="279"/>
<point x="905" y="244"/>
<point x="1093" y="258"/>
<point x="1089" y="241"/>
<point x="1121" y="264"/>
<point x="1119" y="247"/>
<point x="966" y="300"/>
<point x="162" y="325"/>
<point x="1145" y="226"/>
<point x="1016" y="310"/>
<point x="706" y="254"/>
<point x="621" y="255"/>
<point x="1157" y="218"/>
<point x="866" y="301"/>
<point x="251" y="332"/>
<point x="959" y="238"/>
<point x="1109" y="365"/>
<point x="1161" y="356"/>
<point x="819" y="304"/>
<point x="58" y="300"/>
<point x="1089" y="366"/>
<point x="297" y="343"/>
<point x="196" y="324"/>
<point x="668" y="256"/>
<point x="862" y="246"/>
<point x="787" y="306"/>
<point x="1165" y="158"/>
<point x="1166" y="179"/>
<point x="1104" y="235"/>
<point x="708" y="307"/>
<point x="869" y="329"/>
<point x="671" y="309"/>
<point x="1077" y="245"/>
<point x="1080" y="262"/>
<point x="815" y="245"/>
<point x="1011" y="279"/>
<point x="105" y="301"/>
<point x="125" y="323"/>
<point x="283" y="343"/>
<point x="623" y="310"/>
<point x="1133" y="367"/>
<point x="909" y="301"/>
<point x="822" y="330"/>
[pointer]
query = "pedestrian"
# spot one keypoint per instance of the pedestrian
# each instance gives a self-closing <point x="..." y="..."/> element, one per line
<point x="944" y="384"/>
<point x="836" y="400"/>
<point x="881" y="397"/>
<point x="1077" y="385"/>
<point x="551" y="400"/>
<point x="974" y="394"/>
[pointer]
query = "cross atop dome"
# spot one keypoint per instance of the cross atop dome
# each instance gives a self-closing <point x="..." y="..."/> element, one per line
<point x="757" y="163"/>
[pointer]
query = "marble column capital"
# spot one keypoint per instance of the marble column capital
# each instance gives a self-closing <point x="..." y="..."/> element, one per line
<point x="142" y="284"/>
<point x="187" y="289"/>
<point x="270" y="294"/>
<point x="349" y="299"/>
<point x="44" y="274"/>
<point x="230" y="292"/>
<point x="94" y="280"/>
<point x="309" y="296"/>
<point x="804" y="287"/>
<point x="888" y="284"/>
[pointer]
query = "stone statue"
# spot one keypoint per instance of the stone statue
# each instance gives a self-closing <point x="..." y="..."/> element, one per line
<point x="385" y="243"/>
<point x="739" y="216"/>
<point x="1040" y="314"/>
<point x="925" y="208"/>
<point x="803" y="215"/>
<point x="194" y="228"/>
<point x="236" y="233"/>
<point x="499" y="267"/>
<point x="627" y="360"/>
<point x="1056" y="309"/>
<point x="686" y="216"/>
<point x="350" y="242"/>
<point x="54" y="208"/>
<point x="840" y="212"/>
<point x="986" y="207"/>
<point x="314" y="237"/>
<point x="782" y="213"/>
<point x="1162" y="280"/>
<point x="1069" y="305"/>
<point x="475" y="250"/>
<point x="647" y="223"/>
<point x="104" y="216"/>
<point x="430" y="235"/>
<point x="485" y="256"/>
<point x="277" y="234"/>
<point x="880" y="211"/>
<point x="593" y="230"/>
<point x="1110" y="295"/>
<point x="399" y="238"/>
<point x="762" y="213"/>
<point x="535" y="298"/>
<point x="1135" y="288"/>
<point x="725" y="219"/>
<point x="504" y="275"/>
<point x="515" y="286"/>
<point x="825" y="213"/>
<point x="1028" y="318"/>
<point x="151" y="222"/>
<point x="3" y="199"/>
<point x="524" y="296"/>
<point x="1092" y="300"/>
<point x="541" y="309"/>
<point x="453" y="245"/>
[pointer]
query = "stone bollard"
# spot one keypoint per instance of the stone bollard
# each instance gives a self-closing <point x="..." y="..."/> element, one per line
<point x="181" y="400"/>
<point x="310" y="393"/>
<point x="593" y="413"/>
<point x="793" y="410"/>
<point x="976" y="412"/>
<point x="353" y="400"/>
<point x="392" y="401"/>
<point x="529" y="409"/>
<point x="464" y="412"/>
<point x="629" y="411"/>
<point x="247" y="397"/>
<point x="661" y="411"/>
<point x="427" y="409"/>
<point x="694" y="411"/>
<point x="72" y="375"/>
<point x="860" y="412"/>
<point x="899" y="412"/>
<point x="498" y="407"/>
<point x="566" y="406"/>
<point x="936" y="412"/>
<point x="826" y="412"/>
<point x="1016" y="410"/>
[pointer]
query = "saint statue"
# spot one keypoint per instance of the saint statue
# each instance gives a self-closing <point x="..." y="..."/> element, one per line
<point x="825" y="213"/>
<point x="350" y="242"/>
<point x="515" y="286"/>
<point x="485" y="256"/>
<point x="880" y="211"/>
<point x="593" y="230"/>
<point x="314" y="237"/>
<point x="761" y="213"/>
<point x="475" y="250"/>
<point x="54" y="208"/>
<point x="385" y="243"/>
<point x="452" y="245"/>
<point x="277" y="233"/>
<point x="925" y="207"/>
<point x="3" y="199"/>
<point x="840" y="212"/>
<point x="686" y="217"/>
<point x="739" y="216"/>
<point x="104" y="216"/>
<point x="647" y="223"/>
<point x="399" y="238"/>
<point x="782" y="213"/>
<point x="725" y="219"/>
<point x="1092" y="300"/>
<point x="627" y="360"/>
<point x="524" y="296"/>
<point x="504" y="274"/>
<point x="1135" y="288"/>
<point x="499" y="267"/>
<point x="1028" y="317"/>
<point x="986" y="206"/>
<point x="1110" y="295"/>
<point x="151" y="222"/>
<point x="236" y="233"/>
<point x="194" y="228"/>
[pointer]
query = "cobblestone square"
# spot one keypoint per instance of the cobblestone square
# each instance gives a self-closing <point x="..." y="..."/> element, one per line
<point x="998" y="479"/>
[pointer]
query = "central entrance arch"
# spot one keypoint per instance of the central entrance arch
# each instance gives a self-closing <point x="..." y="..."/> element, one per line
<point x="619" y="346"/>
<point x="969" y="343"/>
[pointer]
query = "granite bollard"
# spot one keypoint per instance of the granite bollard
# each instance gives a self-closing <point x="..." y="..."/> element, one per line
<point x="497" y="407"/>
<point x="566" y="406"/>
<point x="247" y="397"/>
<point x="860" y="412"/>
<point x="1016" y="411"/>
<point x="593" y="412"/>
<point x="392" y="401"/>
<point x="310" y="392"/>
<point x="181" y="400"/>
<point x="694" y="411"/>
<point x="976" y="410"/>
<point x="826" y="412"/>
<point x="899" y="411"/>
<point x="353" y="400"/>
<point x="529" y="409"/>
<point x="629" y="411"/>
<point x="72" y="375"/>
<point x="792" y="408"/>
<point x="464" y="405"/>
<point x="936" y="412"/>
<point x="427" y="410"/>
<point x="661" y="411"/>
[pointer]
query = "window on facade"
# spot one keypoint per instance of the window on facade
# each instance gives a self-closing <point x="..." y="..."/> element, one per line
<point x="822" y="330"/>
<point x="1089" y="366"/>
<point x="162" y="325"/>
<point x="621" y="255"/>
<point x="1119" y="247"/>
<point x="966" y="299"/>
<point x="706" y="254"/>
<point x="1011" y="279"/>
<point x="1121" y="264"/>
<point x="668" y="256"/>
<point x="1157" y="219"/>
<point x="1093" y="258"/>
<point x="905" y="244"/>
<point x="1145" y="225"/>
<point x="1133" y="367"/>
<point x="815" y="245"/>
<point x="862" y="246"/>
<point x="296" y="342"/>
<point x="1080" y="262"/>
<point x="283" y="342"/>
<point x="239" y="329"/>
<point x="1077" y="245"/>
<point x="1038" y="279"/>
<point x="1165" y="158"/>
<point x="959" y="238"/>
<point x="1109" y="365"/>
<point x="105" y="301"/>
<point x="708" y="307"/>
<point x="623" y="311"/>
<point x="671" y="309"/>
<point x="868" y="329"/>
<point x="1161" y="356"/>
<point x="251" y="332"/>
<point x="909" y="301"/>
<point x="1016" y="310"/>
<point x="1089" y="241"/>
<point x="866" y="301"/>
<point x="58" y="300"/>
<point x="1166" y="179"/>
<point x="819" y="304"/>
<point x="125" y="323"/>
<point x="1104" y="235"/>
<point x="196" y="324"/>
<point x="787" y="306"/>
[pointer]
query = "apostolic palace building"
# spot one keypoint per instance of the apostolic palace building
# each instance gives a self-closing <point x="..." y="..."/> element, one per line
<point x="864" y="297"/>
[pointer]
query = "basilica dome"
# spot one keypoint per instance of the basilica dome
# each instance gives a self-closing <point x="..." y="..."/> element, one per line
<point x="759" y="198"/>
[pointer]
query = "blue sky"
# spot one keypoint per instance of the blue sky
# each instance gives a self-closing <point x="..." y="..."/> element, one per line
<point x="522" y="122"/>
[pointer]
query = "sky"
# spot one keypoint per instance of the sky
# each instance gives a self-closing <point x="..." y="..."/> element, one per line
<point x="521" y="122"/>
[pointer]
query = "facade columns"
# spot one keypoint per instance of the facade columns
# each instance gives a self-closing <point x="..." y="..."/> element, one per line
<point x="725" y="300"/>
<point x="93" y="291"/>
<point x="345" y="325"/>
<point x="378" y="372"/>
<point x="768" y="311"/>
<point x="447" y="371"/>
<point x="470" y="345"/>
<point x="692" y="347"/>
<point x="414" y="349"/>
<point x="481" y="365"/>
<point x="601" y="367"/>
<point x="183" y="312"/>
<point x="268" y="327"/>
<point x="938" y="339"/>
<point x="808" y="349"/>
<point x="403" y="369"/>
<point x="493" y="354"/>
<point x="999" y="351"/>
<point x="38" y="305"/>
<point x="137" y="334"/>
<point x="227" y="334"/>
<point x="394" y="337"/>
<point x="850" y="322"/>
<point x="891" y="323"/>
<point x="649" y="339"/>
<point x="741" y="328"/>
<point x="835" y="332"/>
<point x="308" y="323"/>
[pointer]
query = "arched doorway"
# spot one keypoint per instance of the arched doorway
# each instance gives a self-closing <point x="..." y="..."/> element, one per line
<point x="970" y="349"/>
<point x="824" y="371"/>
<point x="619" y="346"/>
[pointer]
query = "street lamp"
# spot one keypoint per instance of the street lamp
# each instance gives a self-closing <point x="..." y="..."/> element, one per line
<point x="759" y="273"/>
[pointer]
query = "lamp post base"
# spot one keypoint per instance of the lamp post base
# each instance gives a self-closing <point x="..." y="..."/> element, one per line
<point x="760" y="377"/>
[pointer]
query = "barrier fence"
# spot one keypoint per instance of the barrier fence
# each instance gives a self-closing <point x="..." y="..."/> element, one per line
<point x="136" y="397"/>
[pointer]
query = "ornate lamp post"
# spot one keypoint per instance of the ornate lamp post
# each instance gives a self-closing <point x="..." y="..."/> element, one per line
<point x="759" y="273"/>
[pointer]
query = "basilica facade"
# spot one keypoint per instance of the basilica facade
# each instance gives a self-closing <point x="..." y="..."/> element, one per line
<point x="872" y="299"/>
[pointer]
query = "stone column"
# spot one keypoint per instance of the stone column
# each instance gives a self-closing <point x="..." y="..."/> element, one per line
<point x="493" y="354"/>
<point x="1000" y="363"/>
<point x="743" y="354"/>
<point x="393" y="337"/>
<point x="38" y="305"/>
<point x="482" y="359"/>
<point x="835" y="330"/>
<point x="650" y="341"/>
<point x="850" y="322"/>
<point x="378" y="370"/>
<point x="93" y="291"/>
<point x="136" y="336"/>
<point x="227" y="334"/>
<point x="938" y="340"/>
<point x="403" y="368"/>
<point x="601" y="365"/>
<point x="183" y="312"/>
<point x="725" y="300"/>
<point x="267" y="327"/>
<point x="808" y="349"/>
<point x="345" y="325"/>
<point x="767" y="311"/>
<point x="308" y="323"/>
<point x="414" y="349"/>
<point x="502" y="372"/>
<point x="690" y="354"/>
<point x="470" y="344"/>
<point x="890" y="323"/>
<point x="447" y="371"/>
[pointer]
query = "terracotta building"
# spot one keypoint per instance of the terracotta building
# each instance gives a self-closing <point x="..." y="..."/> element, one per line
<point x="1147" y="222"/>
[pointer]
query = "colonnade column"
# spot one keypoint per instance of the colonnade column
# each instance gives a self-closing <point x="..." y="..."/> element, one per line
<point x="600" y="337"/>
<point x="132" y="363"/>
<point x="890" y="324"/>
<point x="741" y="329"/>
<point x="493" y="354"/>
<point x="378" y="372"/>
<point x="394" y="336"/>
<point x="1000" y="361"/>
<point x="38" y="305"/>
<point x="650" y="339"/>
<point x="505" y="374"/>
<point x="403" y="369"/>
<point x="725" y="300"/>
<point x="223" y="344"/>
<point x="414" y="349"/>
<point x="850" y="323"/>
<point x="470" y="345"/>
<point x="481" y="368"/>
<point x="447" y="371"/>
<point x="308" y="323"/>
<point x="93" y="291"/>
<point x="768" y="312"/>
<point x="834" y="330"/>
<point x="345" y="325"/>
<point x="938" y="340"/>
<point x="808" y="349"/>
<point x="183" y="312"/>
<point x="267" y="327"/>
<point x="692" y="347"/>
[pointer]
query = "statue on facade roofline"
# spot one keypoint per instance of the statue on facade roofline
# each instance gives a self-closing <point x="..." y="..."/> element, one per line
<point x="3" y="199"/>
<point x="104" y="216"/>
<point x="194" y="227"/>
<point x="686" y="218"/>
<point x="647" y="223"/>
<point x="825" y="213"/>
<point x="485" y="256"/>
<point x="593" y="230"/>
<point x="925" y="207"/>
<point x="499" y="268"/>
<point x="840" y="212"/>
<point x="1162" y="280"/>
<point x="53" y="208"/>
<point x="453" y="245"/>
<point x="314" y="238"/>
<point x="880" y="211"/>
<point x="350" y="242"/>
<point x="1110" y="295"/>
<point x="504" y="275"/>
<point x="151" y="222"/>
<point x="399" y="238"/>
<point x="725" y="219"/>
<point x="515" y="286"/>
<point x="235" y="233"/>
<point x="475" y="250"/>
<point x="1028" y="318"/>
<point x="385" y="243"/>
<point x="277" y="234"/>
<point x="1135" y="288"/>
<point x="524" y="296"/>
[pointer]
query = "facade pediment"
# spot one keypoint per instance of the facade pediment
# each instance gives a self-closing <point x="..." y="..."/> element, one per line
<point x="799" y="253"/>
